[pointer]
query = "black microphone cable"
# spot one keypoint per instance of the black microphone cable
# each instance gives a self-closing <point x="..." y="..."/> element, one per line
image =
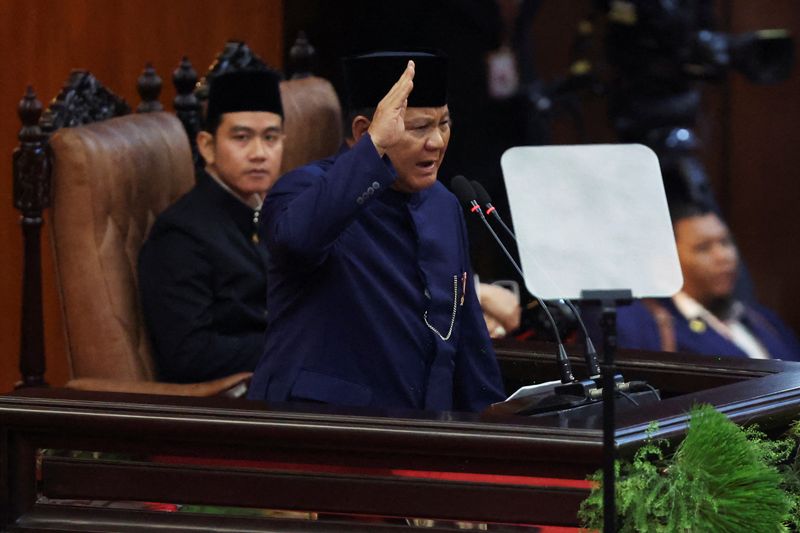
<point x="485" y="201"/>
<point x="465" y="192"/>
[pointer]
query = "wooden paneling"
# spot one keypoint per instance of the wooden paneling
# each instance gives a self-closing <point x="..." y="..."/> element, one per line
<point x="764" y="167"/>
<point x="42" y="40"/>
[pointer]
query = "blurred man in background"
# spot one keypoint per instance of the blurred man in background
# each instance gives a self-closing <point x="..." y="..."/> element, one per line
<point x="705" y="317"/>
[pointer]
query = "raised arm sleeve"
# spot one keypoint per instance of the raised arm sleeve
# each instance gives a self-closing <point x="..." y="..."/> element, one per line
<point x="307" y="210"/>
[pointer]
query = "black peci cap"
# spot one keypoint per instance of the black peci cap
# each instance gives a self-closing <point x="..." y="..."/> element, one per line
<point x="370" y="76"/>
<point x="244" y="90"/>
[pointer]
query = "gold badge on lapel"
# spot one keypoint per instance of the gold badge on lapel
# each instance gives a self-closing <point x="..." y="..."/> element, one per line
<point x="697" y="325"/>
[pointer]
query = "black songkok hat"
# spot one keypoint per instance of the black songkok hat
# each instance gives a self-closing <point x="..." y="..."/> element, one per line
<point x="244" y="90"/>
<point x="370" y="76"/>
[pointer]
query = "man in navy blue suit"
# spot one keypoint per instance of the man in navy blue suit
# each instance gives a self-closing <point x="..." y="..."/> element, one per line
<point x="704" y="317"/>
<point x="372" y="301"/>
<point x="202" y="270"/>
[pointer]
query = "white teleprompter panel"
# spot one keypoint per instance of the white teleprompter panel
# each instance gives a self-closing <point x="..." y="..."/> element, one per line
<point x="591" y="217"/>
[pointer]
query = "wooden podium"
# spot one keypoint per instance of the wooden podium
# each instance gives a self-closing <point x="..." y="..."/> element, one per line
<point x="344" y="466"/>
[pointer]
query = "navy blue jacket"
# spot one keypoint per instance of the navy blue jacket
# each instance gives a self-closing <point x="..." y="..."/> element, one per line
<point x="203" y="286"/>
<point x="372" y="301"/>
<point x="637" y="328"/>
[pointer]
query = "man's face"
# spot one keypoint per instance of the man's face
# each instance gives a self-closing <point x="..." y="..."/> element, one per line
<point x="708" y="258"/>
<point x="246" y="151"/>
<point x="419" y="154"/>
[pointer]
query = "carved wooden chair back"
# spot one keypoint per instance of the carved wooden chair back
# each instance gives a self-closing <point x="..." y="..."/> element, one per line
<point x="111" y="176"/>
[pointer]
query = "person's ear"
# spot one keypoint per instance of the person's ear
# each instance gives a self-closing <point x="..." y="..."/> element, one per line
<point x="359" y="126"/>
<point x="206" y="147"/>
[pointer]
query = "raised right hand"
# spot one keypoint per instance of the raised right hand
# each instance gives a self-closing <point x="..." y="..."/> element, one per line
<point x="387" y="126"/>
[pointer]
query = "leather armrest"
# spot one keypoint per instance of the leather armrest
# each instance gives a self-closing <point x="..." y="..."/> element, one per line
<point x="234" y="386"/>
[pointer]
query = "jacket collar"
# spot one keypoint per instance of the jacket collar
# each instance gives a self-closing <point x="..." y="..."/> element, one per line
<point x="242" y="214"/>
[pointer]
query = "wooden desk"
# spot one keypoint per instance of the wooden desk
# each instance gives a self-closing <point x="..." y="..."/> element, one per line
<point x="343" y="462"/>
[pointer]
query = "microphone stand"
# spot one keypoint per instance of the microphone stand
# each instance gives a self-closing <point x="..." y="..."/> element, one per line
<point x="564" y="366"/>
<point x="590" y="353"/>
<point x="605" y="376"/>
<point x="609" y="300"/>
<point x="571" y="393"/>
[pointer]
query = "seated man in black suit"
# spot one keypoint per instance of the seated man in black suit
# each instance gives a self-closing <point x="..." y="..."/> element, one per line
<point x="202" y="270"/>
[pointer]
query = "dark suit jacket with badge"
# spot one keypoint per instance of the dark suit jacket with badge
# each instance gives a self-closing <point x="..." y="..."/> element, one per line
<point x="202" y="280"/>
<point x="637" y="328"/>
<point x="372" y="300"/>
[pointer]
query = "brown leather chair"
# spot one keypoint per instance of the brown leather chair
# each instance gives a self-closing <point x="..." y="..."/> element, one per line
<point x="313" y="121"/>
<point x="110" y="181"/>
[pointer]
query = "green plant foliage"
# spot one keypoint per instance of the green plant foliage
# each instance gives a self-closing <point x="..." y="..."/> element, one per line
<point x="720" y="479"/>
<point x="790" y="469"/>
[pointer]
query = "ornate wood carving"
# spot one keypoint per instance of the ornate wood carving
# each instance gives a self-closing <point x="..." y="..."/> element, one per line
<point x="148" y="85"/>
<point x="82" y="100"/>
<point x="31" y="192"/>
<point x="235" y="56"/>
<point x="186" y="104"/>
<point x="31" y="169"/>
<point x="301" y="57"/>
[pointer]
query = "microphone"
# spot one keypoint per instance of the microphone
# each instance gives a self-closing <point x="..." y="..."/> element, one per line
<point x="585" y="395"/>
<point x="590" y="353"/>
<point x="486" y="202"/>
<point x="465" y="192"/>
